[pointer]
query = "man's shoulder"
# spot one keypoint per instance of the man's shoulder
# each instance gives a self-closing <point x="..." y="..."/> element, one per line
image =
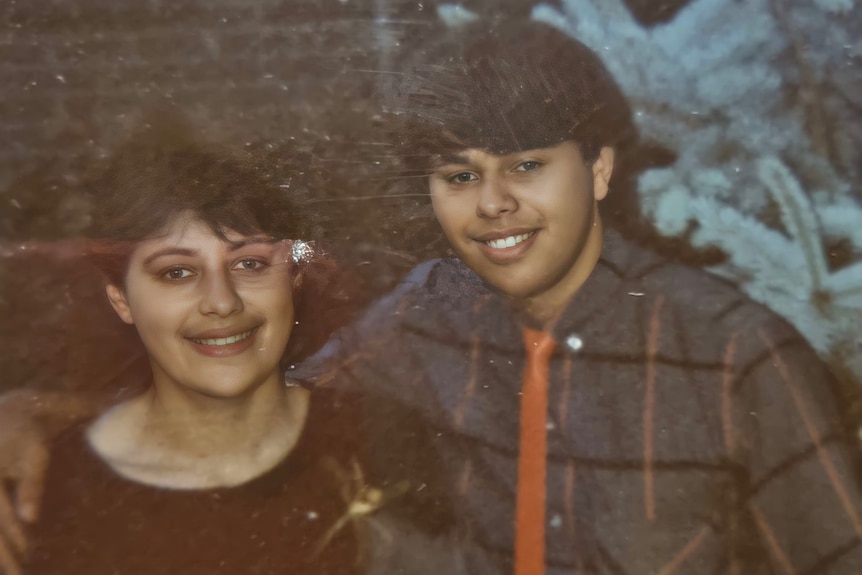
<point x="432" y="296"/>
<point x="703" y="295"/>
<point x="444" y="281"/>
<point x="699" y="300"/>
<point x="446" y="273"/>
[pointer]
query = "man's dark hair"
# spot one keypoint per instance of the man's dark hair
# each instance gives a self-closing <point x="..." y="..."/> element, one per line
<point x="516" y="86"/>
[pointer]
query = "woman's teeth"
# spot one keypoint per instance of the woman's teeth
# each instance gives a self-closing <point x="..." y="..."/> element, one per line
<point x="508" y="242"/>
<point x="223" y="340"/>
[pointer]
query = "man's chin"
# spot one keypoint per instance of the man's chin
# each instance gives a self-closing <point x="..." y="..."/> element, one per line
<point x="507" y="285"/>
<point x="510" y="281"/>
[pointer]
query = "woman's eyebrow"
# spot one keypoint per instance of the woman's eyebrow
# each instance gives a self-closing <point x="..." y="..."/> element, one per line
<point x="250" y="242"/>
<point x="172" y="251"/>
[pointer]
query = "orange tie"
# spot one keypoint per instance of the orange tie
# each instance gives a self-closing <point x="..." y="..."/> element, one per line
<point x="533" y="448"/>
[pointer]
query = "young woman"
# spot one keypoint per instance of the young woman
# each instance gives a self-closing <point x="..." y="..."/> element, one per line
<point x="215" y="466"/>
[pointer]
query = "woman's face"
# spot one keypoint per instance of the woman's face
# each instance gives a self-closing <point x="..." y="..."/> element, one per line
<point x="215" y="316"/>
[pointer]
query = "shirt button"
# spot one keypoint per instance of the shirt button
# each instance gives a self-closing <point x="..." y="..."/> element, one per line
<point x="556" y="521"/>
<point x="574" y="342"/>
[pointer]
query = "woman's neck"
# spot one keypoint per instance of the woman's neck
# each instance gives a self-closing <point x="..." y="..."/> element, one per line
<point x="172" y="437"/>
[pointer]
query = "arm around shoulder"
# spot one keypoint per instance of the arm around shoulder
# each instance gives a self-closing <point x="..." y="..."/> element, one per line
<point x="359" y="355"/>
<point x="29" y="418"/>
<point x="53" y="411"/>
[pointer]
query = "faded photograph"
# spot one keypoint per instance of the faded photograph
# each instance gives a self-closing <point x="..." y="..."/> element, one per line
<point x="387" y="287"/>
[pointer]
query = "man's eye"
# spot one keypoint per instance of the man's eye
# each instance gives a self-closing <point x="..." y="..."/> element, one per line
<point x="177" y="274"/>
<point x="528" y="166"/>
<point x="463" y="178"/>
<point x="249" y="265"/>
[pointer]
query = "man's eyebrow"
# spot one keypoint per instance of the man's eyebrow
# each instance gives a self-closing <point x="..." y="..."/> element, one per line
<point x="452" y="159"/>
<point x="171" y="251"/>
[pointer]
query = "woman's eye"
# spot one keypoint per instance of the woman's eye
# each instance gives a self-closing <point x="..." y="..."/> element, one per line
<point x="177" y="274"/>
<point x="249" y="265"/>
<point x="528" y="166"/>
<point x="462" y="178"/>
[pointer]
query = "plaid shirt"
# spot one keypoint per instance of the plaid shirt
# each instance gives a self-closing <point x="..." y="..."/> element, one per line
<point x="690" y="430"/>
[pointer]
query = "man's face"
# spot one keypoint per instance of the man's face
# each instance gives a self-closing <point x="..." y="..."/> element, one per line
<point x="524" y="221"/>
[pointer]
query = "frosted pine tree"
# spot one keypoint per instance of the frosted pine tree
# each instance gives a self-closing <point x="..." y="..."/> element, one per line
<point x="761" y="101"/>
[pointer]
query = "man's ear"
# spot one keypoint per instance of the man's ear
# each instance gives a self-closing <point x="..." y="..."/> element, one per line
<point x="118" y="301"/>
<point x="603" y="167"/>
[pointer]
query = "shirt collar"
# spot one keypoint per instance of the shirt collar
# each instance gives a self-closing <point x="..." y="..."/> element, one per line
<point x="458" y="304"/>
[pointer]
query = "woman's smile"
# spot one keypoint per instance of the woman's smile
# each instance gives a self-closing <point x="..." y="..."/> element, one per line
<point x="224" y="346"/>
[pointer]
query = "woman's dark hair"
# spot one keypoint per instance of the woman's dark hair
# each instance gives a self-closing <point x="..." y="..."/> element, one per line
<point x="163" y="172"/>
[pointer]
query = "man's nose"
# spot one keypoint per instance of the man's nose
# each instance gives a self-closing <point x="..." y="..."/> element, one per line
<point x="495" y="199"/>
<point x="219" y="295"/>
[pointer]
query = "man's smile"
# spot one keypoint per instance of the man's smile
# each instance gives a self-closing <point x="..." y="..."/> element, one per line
<point x="509" y="241"/>
<point x="506" y="246"/>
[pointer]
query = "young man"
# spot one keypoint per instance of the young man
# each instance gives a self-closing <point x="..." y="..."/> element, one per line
<point x="597" y="408"/>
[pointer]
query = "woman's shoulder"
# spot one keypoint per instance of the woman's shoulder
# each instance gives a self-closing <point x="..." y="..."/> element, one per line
<point x="77" y="479"/>
<point x="73" y="454"/>
<point x="111" y="435"/>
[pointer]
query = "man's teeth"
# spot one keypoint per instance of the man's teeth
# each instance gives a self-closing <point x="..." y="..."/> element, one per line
<point x="508" y="242"/>
<point x="223" y="340"/>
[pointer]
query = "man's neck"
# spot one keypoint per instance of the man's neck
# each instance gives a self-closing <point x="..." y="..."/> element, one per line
<point x="543" y="310"/>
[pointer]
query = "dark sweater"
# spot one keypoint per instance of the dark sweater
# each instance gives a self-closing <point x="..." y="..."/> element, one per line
<point x="690" y="430"/>
<point x="95" y="522"/>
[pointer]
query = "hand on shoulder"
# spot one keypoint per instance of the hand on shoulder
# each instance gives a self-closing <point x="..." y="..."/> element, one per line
<point x="23" y="462"/>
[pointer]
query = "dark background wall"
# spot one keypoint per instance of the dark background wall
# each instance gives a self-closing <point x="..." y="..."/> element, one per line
<point x="78" y="76"/>
<point x="74" y="74"/>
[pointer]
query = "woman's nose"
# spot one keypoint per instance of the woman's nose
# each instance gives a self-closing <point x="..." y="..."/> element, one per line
<point x="219" y="295"/>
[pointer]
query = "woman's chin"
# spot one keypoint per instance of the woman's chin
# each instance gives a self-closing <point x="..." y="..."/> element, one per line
<point x="224" y="387"/>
